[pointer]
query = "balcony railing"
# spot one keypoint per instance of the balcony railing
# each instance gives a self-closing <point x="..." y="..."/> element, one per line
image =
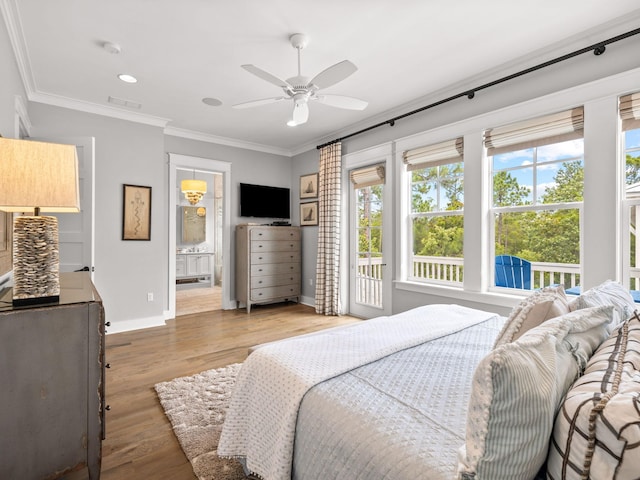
<point x="450" y="270"/>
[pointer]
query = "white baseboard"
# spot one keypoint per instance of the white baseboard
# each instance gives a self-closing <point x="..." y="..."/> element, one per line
<point x="137" y="324"/>
<point x="308" y="301"/>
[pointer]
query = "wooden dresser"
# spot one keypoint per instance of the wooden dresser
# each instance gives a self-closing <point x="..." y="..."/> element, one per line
<point x="52" y="384"/>
<point x="268" y="264"/>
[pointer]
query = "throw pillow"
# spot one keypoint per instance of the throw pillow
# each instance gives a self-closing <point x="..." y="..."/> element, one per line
<point x="541" y="305"/>
<point x="607" y="293"/>
<point x="597" y="431"/>
<point x="517" y="389"/>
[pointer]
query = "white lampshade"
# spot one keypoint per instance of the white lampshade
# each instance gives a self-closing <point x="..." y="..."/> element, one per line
<point x="37" y="177"/>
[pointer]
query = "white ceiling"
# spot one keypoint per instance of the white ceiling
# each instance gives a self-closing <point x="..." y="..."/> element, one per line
<point x="183" y="51"/>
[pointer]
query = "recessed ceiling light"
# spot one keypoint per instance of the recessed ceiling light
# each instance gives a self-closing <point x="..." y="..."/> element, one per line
<point x="212" y="102"/>
<point x="125" y="77"/>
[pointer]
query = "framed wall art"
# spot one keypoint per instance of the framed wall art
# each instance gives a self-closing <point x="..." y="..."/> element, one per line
<point x="136" y="212"/>
<point x="309" y="186"/>
<point x="309" y="214"/>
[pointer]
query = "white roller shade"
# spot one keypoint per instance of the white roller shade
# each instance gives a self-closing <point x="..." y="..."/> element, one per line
<point x="367" y="176"/>
<point x="554" y="128"/>
<point x="449" y="151"/>
<point x="630" y="111"/>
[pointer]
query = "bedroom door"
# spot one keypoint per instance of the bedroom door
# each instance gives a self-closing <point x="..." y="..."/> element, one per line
<point x="370" y="277"/>
<point x="76" y="230"/>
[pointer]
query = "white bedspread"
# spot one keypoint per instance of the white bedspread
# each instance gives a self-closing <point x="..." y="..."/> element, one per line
<point x="261" y="420"/>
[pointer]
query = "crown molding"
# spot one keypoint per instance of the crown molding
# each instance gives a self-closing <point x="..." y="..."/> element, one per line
<point x="230" y="142"/>
<point x="73" y="104"/>
<point x="11" y="17"/>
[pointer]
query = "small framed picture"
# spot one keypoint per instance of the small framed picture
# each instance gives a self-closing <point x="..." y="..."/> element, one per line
<point x="136" y="212"/>
<point x="309" y="214"/>
<point x="309" y="186"/>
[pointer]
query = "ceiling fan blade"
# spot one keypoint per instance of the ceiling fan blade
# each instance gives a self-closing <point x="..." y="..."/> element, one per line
<point x="258" y="72"/>
<point x="257" y="103"/>
<point x="341" y="101"/>
<point x="300" y="113"/>
<point x="334" y="74"/>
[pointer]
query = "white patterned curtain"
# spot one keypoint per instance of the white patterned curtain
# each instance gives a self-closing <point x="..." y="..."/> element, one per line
<point x="328" y="265"/>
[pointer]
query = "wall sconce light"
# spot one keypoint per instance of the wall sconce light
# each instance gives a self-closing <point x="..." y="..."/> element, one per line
<point x="37" y="177"/>
<point x="193" y="189"/>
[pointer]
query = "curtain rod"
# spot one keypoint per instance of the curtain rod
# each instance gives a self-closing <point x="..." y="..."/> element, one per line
<point x="598" y="49"/>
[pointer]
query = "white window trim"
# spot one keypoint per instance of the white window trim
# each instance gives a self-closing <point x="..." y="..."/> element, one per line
<point x="595" y="96"/>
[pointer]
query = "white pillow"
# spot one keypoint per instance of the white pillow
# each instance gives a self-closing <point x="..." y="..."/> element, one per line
<point x="607" y="293"/>
<point x="541" y="305"/>
<point x="517" y="389"/>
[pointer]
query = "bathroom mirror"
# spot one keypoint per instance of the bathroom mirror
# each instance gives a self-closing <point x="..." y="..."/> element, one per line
<point x="194" y="221"/>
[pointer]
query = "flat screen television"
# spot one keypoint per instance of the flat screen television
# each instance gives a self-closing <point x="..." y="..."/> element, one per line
<point x="264" y="201"/>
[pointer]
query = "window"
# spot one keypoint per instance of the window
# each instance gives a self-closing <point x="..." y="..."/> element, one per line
<point x="630" y="116"/>
<point x="536" y="198"/>
<point x="436" y="212"/>
<point x="368" y="184"/>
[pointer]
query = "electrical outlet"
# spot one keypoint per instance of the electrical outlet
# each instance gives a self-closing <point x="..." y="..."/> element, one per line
<point x="150" y="297"/>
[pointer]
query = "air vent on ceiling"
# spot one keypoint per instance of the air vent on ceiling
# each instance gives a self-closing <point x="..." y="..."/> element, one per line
<point x="124" y="103"/>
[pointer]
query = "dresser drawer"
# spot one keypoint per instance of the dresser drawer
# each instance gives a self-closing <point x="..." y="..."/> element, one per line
<point x="261" y="270"/>
<point x="275" y="246"/>
<point x="267" y="293"/>
<point x="279" y="233"/>
<point x="274" y="257"/>
<point x="275" y="280"/>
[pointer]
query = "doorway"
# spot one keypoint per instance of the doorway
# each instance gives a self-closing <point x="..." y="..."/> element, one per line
<point x="199" y="236"/>
<point x="199" y="244"/>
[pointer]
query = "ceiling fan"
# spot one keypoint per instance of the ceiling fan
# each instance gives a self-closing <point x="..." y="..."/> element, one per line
<point x="301" y="90"/>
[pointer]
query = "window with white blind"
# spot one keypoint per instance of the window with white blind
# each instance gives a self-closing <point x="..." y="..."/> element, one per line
<point x="537" y="172"/>
<point x="436" y="212"/>
<point x="630" y="121"/>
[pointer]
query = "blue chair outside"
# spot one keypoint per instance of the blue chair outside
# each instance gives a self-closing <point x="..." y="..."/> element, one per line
<point x="513" y="272"/>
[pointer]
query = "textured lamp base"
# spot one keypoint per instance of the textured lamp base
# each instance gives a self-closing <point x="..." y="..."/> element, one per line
<point x="36" y="263"/>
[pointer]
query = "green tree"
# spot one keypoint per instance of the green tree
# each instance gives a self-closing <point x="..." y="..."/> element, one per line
<point x="507" y="192"/>
<point x="632" y="169"/>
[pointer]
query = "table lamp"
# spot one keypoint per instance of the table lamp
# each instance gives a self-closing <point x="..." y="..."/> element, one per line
<point x="37" y="177"/>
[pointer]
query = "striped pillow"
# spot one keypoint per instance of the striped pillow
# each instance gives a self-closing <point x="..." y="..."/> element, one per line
<point x="597" y="431"/>
<point x="517" y="389"/>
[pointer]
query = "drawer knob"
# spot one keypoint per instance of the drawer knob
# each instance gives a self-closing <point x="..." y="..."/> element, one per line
<point x="260" y="281"/>
<point x="259" y="294"/>
<point x="108" y="407"/>
<point x="259" y="258"/>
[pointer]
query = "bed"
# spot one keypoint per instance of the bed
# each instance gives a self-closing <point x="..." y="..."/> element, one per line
<point x="444" y="392"/>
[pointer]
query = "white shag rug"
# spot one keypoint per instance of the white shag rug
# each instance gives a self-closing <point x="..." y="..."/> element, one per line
<point x="196" y="408"/>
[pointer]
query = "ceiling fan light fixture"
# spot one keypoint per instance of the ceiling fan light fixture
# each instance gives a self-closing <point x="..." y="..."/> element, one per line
<point x="300" y="89"/>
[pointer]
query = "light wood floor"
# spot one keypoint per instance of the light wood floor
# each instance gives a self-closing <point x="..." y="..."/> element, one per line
<point x="198" y="299"/>
<point x="139" y="441"/>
